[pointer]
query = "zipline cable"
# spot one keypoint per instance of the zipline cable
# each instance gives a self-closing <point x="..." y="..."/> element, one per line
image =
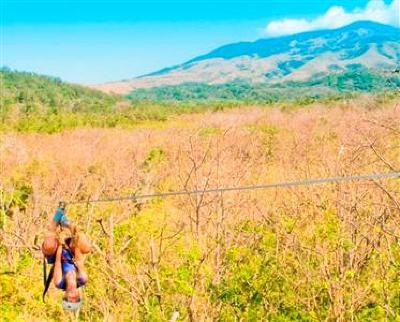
<point x="305" y="182"/>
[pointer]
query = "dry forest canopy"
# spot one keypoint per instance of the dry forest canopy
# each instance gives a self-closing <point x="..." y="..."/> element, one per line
<point x="310" y="253"/>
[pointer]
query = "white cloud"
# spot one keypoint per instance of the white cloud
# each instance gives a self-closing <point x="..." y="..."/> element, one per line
<point x="336" y="16"/>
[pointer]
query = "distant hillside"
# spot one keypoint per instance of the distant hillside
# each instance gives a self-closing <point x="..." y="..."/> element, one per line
<point x="35" y="103"/>
<point x="354" y="79"/>
<point x="298" y="57"/>
<point x="29" y="93"/>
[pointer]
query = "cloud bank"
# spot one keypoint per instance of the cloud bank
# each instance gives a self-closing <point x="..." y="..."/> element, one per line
<point x="336" y="16"/>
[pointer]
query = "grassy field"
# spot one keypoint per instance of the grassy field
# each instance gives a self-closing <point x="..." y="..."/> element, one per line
<point x="327" y="252"/>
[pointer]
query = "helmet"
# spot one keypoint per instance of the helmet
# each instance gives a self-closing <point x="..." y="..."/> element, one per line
<point x="71" y="306"/>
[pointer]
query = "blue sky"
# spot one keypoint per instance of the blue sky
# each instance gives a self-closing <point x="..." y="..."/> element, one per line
<point x="98" y="41"/>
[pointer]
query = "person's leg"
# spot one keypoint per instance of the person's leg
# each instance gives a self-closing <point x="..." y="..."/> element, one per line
<point x="50" y="243"/>
<point x="82" y="244"/>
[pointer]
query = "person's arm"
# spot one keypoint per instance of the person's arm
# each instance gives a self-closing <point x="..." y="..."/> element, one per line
<point x="57" y="277"/>
<point x="80" y="257"/>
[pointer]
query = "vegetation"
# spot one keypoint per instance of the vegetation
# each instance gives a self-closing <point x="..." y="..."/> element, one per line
<point x="355" y="79"/>
<point x="342" y="84"/>
<point x="323" y="252"/>
<point x="31" y="93"/>
<point x="34" y="103"/>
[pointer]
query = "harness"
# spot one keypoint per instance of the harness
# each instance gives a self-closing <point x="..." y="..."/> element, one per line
<point x="46" y="279"/>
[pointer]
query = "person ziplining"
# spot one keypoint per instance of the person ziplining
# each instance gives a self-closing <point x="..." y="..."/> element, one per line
<point x="67" y="256"/>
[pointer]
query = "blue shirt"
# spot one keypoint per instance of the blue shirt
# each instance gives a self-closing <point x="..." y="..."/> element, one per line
<point x="67" y="265"/>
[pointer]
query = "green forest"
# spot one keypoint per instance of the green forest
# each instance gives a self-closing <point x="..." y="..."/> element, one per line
<point x="31" y="102"/>
<point x="336" y="85"/>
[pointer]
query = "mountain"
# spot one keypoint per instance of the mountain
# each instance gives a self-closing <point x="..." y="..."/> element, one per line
<point x="298" y="57"/>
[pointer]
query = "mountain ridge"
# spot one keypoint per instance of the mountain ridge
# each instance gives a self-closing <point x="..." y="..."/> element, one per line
<point x="288" y="38"/>
<point x="273" y="60"/>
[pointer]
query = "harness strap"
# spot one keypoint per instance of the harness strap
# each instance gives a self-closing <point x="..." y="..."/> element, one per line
<point x="44" y="270"/>
<point x="46" y="279"/>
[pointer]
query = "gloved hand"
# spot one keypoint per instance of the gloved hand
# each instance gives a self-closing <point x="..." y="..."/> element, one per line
<point x="60" y="217"/>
